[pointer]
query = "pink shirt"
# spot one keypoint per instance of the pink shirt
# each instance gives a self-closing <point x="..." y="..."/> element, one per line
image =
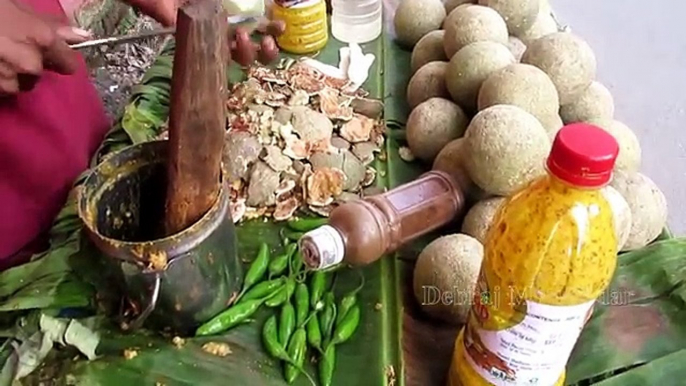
<point x="47" y="137"/>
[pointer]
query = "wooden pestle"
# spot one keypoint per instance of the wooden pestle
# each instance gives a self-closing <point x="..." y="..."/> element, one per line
<point x="197" y="117"/>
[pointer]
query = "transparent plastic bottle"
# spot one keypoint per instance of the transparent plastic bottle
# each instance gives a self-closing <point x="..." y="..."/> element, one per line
<point x="244" y="8"/>
<point x="550" y="253"/>
<point x="356" y="21"/>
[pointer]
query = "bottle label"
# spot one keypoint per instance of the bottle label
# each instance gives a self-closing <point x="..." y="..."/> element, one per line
<point x="295" y="3"/>
<point x="513" y="341"/>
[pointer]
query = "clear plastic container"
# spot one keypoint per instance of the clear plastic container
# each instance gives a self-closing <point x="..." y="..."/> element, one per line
<point x="550" y="253"/>
<point x="307" y="28"/>
<point x="356" y="21"/>
<point x="358" y="7"/>
<point x="244" y="8"/>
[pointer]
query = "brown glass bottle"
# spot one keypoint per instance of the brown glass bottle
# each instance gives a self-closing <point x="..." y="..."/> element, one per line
<point x="361" y="231"/>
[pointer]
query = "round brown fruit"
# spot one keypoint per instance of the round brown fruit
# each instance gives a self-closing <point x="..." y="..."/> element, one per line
<point x="428" y="82"/>
<point x="521" y="85"/>
<point x="519" y="15"/>
<point x="568" y="61"/>
<point x="416" y="18"/>
<point x="428" y="49"/>
<point x="433" y="124"/>
<point x="469" y="24"/>
<point x="471" y="66"/>
<point x="506" y="149"/>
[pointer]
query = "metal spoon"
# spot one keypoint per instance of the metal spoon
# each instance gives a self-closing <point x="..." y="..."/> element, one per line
<point x="251" y="22"/>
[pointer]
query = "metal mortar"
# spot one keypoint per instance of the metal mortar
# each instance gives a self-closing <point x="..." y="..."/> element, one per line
<point x="174" y="282"/>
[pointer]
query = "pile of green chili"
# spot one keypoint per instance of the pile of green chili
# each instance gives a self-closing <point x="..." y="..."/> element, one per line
<point x="307" y="315"/>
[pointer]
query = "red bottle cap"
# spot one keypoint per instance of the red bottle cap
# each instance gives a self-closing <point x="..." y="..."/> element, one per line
<point x="583" y="155"/>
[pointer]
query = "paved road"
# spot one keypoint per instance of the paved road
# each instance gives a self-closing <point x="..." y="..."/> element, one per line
<point x="641" y="52"/>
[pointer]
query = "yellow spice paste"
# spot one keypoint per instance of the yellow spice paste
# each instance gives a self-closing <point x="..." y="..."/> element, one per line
<point x="551" y="244"/>
<point x="307" y="28"/>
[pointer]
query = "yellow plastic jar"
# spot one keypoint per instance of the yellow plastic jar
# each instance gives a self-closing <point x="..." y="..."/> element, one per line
<point x="307" y="28"/>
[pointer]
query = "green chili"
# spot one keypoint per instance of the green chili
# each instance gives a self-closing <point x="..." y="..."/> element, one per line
<point x="270" y="340"/>
<point x="291" y="236"/>
<point x="257" y="269"/>
<point x="328" y="317"/>
<point x="297" y="348"/>
<point x="280" y="263"/>
<point x="302" y="303"/>
<point x="229" y="318"/>
<point x="317" y="287"/>
<point x="275" y="349"/>
<point x="264" y="289"/>
<point x="314" y="334"/>
<point x="286" y="323"/>
<point x="282" y="295"/>
<point x="297" y="263"/>
<point x="307" y="224"/>
<point x="348" y="301"/>
<point x="347" y="327"/>
<point x="291" y="248"/>
<point x="326" y="366"/>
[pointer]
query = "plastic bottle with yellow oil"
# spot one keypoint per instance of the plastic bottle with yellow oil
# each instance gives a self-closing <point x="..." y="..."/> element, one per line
<point x="306" y="21"/>
<point x="550" y="253"/>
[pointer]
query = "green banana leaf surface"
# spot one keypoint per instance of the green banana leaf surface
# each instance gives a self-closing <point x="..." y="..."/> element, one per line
<point x="636" y="335"/>
<point x="67" y="276"/>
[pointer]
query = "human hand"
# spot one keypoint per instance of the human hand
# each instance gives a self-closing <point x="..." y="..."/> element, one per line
<point x="163" y="11"/>
<point x="243" y="50"/>
<point x="30" y="43"/>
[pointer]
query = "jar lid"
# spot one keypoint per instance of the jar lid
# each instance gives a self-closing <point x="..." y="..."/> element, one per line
<point x="583" y="155"/>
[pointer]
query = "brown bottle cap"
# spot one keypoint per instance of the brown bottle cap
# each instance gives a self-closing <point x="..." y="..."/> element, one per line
<point x="322" y="247"/>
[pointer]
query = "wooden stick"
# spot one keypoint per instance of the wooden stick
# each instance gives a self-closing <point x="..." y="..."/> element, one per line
<point x="197" y="118"/>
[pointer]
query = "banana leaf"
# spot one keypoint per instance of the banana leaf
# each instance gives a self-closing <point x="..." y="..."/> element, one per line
<point x="371" y="357"/>
<point x="158" y="359"/>
<point x="641" y="318"/>
<point x="637" y="334"/>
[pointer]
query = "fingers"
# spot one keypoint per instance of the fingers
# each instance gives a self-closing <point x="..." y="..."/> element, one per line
<point x="60" y="58"/>
<point x="163" y="11"/>
<point x="73" y="35"/>
<point x="271" y="27"/>
<point x="268" y="50"/>
<point x="274" y="28"/>
<point x="56" y="55"/>
<point x="243" y="50"/>
<point x="9" y="84"/>
<point x="20" y="70"/>
<point x="21" y="58"/>
<point x="29" y="43"/>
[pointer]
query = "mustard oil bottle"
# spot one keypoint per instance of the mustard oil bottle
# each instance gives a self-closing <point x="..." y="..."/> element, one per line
<point x="307" y="28"/>
<point x="550" y="253"/>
